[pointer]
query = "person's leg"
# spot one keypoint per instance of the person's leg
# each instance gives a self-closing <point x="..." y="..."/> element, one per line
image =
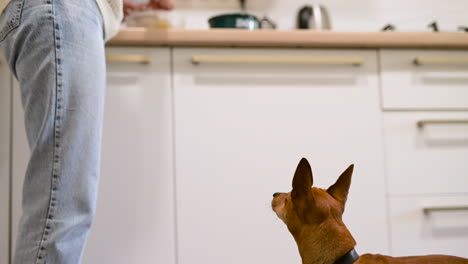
<point x="57" y="54"/>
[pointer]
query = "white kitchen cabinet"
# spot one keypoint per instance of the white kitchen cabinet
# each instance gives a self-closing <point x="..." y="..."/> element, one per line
<point x="429" y="224"/>
<point x="243" y="120"/>
<point x="426" y="152"/>
<point x="19" y="161"/>
<point x="424" y="79"/>
<point x="135" y="216"/>
<point x="135" y="219"/>
<point x="5" y="121"/>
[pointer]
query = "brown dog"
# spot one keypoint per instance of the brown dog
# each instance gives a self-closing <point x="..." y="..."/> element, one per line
<point x="314" y="218"/>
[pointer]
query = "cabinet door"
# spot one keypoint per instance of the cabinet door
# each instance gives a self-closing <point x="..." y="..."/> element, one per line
<point x="19" y="160"/>
<point x="5" y="114"/>
<point x="429" y="224"/>
<point x="134" y="222"/>
<point x="243" y="120"/>
<point x="424" y="79"/>
<point x="135" y="214"/>
<point x="426" y="152"/>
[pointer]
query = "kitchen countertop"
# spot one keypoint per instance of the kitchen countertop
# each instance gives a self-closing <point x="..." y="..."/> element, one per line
<point x="291" y="39"/>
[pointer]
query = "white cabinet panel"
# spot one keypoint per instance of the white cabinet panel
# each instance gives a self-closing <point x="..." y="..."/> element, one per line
<point x="135" y="215"/>
<point x="430" y="158"/>
<point x="20" y="155"/>
<point x="135" y="220"/>
<point x="240" y="130"/>
<point x="5" y="104"/>
<point x="438" y="79"/>
<point x="443" y="229"/>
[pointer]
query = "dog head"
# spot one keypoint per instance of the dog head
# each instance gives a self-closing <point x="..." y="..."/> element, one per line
<point x="314" y="215"/>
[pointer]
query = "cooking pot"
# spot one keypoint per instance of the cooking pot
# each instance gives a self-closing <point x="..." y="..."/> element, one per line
<point x="235" y="20"/>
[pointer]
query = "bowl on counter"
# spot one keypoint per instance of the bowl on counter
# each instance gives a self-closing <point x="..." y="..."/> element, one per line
<point x="158" y="19"/>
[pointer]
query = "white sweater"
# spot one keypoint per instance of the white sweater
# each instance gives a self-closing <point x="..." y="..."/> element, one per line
<point x="111" y="10"/>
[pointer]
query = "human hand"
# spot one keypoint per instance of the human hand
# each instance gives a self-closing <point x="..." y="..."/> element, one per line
<point x="162" y="4"/>
<point x="130" y="7"/>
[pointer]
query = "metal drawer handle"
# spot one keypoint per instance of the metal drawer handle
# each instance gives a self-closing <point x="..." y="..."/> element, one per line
<point x="354" y="61"/>
<point x="128" y="59"/>
<point x="422" y="123"/>
<point x="440" y="61"/>
<point x="428" y="210"/>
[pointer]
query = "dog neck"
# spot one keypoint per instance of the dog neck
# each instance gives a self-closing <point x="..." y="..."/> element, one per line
<point x="325" y="243"/>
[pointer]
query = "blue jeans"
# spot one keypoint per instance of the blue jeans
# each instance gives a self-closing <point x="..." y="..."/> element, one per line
<point x="55" y="49"/>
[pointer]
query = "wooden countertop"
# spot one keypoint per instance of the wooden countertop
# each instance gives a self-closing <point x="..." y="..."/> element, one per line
<point x="292" y="39"/>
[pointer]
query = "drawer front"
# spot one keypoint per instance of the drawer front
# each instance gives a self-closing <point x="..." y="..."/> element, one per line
<point x="422" y="225"/>
<point x="275" y="68"/>
<point x="426" y="152"/>
<point x="424" y="79"/>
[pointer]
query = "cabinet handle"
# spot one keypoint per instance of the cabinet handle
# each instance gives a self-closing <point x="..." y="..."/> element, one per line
<point x="440" y="61"/>
<point x="422" y="123"/>
<point x="354" y="61"/>
<point x="428" y="210"/>
<point x="128" y="59"/>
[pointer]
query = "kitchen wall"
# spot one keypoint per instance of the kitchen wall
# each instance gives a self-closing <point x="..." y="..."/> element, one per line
<point x="356" y="15"/>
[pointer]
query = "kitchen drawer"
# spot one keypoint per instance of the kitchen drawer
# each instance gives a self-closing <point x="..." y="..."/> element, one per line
<point x="423" y="225"/>
<point x="431" y="157"/>
<point x="244" y="68"/>
<point x="424" y="79"/>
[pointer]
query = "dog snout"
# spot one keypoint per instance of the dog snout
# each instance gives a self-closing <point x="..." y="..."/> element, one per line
<point x="276" y="194"/>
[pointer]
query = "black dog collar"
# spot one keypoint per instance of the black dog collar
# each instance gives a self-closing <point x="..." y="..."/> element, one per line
<point x="348" y="258"/>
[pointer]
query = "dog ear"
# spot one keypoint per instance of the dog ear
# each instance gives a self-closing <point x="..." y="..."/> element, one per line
<point x="340" y="189"/>
<point x="302" y="181"/>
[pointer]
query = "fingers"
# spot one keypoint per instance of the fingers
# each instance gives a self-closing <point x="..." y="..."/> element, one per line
<point x="130" y="7"/>
<point x="163" y="4"/>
